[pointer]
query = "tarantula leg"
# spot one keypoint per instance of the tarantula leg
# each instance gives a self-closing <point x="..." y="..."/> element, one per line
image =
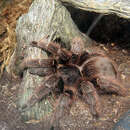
<point x="42" y="71"/>
<point x="42" y="91"/>
<point x="63" y="107"/>
<point x="28" y="63"/>
<point x="111" y="85"/>
<point x="36" y="97"/>
<point x="47" y="46"/>
<point x="90" y="97"/>
<point x="53" y="48"/>
<point x="36" y="63"/>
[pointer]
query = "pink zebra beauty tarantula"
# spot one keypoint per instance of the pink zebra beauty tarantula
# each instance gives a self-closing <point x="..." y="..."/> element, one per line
<point x="83" y="72"/>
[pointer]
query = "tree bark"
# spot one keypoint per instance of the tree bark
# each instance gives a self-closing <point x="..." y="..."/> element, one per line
<point x="45" y="17"/>
<point x="118" y="7"/>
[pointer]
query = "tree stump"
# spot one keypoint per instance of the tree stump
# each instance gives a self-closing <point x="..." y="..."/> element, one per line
<point x="45" y="18"/>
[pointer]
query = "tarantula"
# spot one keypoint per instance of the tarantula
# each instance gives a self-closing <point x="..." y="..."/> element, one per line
<point x="82" y="72"/>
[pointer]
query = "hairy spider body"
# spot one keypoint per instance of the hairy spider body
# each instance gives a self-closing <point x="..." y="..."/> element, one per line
<point x="81" y="72"/>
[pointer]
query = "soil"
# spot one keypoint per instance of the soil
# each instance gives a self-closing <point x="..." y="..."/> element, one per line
<point x="79" y="119"/>
<point x="113" y="106"/>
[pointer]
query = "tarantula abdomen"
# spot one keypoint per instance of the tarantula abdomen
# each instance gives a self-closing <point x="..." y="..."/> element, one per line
<point x="103" y="70"/>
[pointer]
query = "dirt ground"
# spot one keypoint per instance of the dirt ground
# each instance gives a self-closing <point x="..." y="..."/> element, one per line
<point x="113" y="106"/>
<point x="79" y="119"/>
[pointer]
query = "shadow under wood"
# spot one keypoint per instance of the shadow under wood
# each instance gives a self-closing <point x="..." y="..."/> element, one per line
<point x="109" y="29"/>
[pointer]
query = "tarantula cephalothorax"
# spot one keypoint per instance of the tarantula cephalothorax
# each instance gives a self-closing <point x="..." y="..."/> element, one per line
<point x="82" y="72"/>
